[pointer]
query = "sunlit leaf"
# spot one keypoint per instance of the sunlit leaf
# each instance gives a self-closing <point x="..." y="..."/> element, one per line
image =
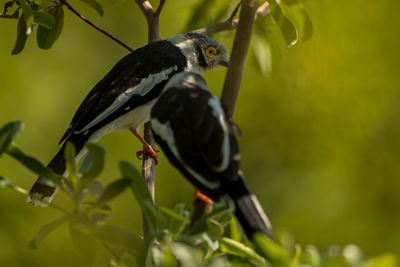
<point x="47" y="175"/>
<point x="43" y="18"/>
<point x="311" y="256"/>
<point x="231" y="246"/>
<point x="8" y="133"/>
<point x="47" y="37"/>
<point x="46" y="229"/>
<point x="95" y="5"/>
<point x="269" y="250"/>
<point x="27" y="14"/>
<point x="234" y="231"/>
<point x="92" y="165"/>
<point x="385" y="260"/>
<point x="117" y="236"/>
<point x="113" y="190"/>
<point x="21" y="36"/>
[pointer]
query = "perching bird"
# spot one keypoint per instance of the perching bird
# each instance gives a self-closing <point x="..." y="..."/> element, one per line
<point x="191" y="127"/>
<point x="124" y="97"/>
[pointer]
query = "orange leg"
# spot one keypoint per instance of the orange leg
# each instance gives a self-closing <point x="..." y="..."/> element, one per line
<point x="146" y="147"/>
<point x="201" y="197"/>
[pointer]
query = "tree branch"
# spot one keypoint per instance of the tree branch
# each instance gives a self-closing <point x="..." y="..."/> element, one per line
<point x="231" y="23"/>
<point x="238" y="57"/>
<point x="96" y="27"/>
<point x="148" y="163"/>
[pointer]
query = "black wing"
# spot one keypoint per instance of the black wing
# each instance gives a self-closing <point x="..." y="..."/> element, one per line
<point x="203" y="148"/>
<point x="127" y="73"/>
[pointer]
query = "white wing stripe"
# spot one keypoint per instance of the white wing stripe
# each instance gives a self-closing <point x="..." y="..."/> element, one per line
<point x="141" y="89"/>
<point x="218" y="112"/>
<point x="165" y="132"/>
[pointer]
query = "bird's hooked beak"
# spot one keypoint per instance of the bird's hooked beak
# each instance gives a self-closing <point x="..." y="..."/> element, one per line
<point x="224" y="62"/>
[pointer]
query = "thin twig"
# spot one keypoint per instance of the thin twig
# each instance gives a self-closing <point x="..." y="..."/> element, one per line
<point x="96" y="27"/>
<point x="232" y="24"/>
<point x="159" y="8"/>
<point x="235" y="11"/>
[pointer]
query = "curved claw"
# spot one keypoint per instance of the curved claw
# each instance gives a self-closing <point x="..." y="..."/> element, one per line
<point x="149" y="150"/>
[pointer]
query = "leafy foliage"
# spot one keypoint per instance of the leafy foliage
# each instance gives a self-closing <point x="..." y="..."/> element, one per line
<point x="215" y="240"/>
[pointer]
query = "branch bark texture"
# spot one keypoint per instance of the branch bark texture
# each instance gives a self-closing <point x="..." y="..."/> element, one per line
<point x="148" y="164"/>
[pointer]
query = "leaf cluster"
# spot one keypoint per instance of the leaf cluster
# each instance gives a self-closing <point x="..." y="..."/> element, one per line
<point x="47" y="16"/>
<point x="215" y="240"/>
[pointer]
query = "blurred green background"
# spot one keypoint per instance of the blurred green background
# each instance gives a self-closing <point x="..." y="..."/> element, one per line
<point x="320" y="144"/>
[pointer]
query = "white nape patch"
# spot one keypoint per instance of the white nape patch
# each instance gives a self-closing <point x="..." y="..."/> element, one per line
<point x="166" y="133"/>
<point x="145" y="85"/>
<point x="218" y="112"/>
<point x="186" y="78"/>
<point x="186" y="45"/>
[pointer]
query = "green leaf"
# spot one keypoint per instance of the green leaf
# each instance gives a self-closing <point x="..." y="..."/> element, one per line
<point x="8" y="5"/>
<point x="117" y="236"/>
<point x="213" y="222"/>
<point x="84" y="244"/>
<point x="46" y="229"/>
<point x="297" y="13"/>
<point x="139" y="186"/>
<point x="154" y="215"/>
<point x="69" y="155"/>
<point x="27" y="14"/>
<point x="263" y="54"/>
<point x="142" y="194"/>
<point x="287" y="27"/>
<point x="47" y="37"/>
<point x="233" y="247"/>
<point x="179" y="218"/>
<point x="43" y="18"/>
<point x="113" y="190"/>
<point x="8" y="133"/>
<point x="49" y="177"/>
<point x="91" y="166"/>
<point x="385" y="260"/>
<point x="95" y="5"/>
<point x="269" y="250"/>
<point x="21" y="36"/>
<point x="234" y="231"/>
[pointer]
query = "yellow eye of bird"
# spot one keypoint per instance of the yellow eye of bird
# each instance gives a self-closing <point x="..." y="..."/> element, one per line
<point x="211" y="51"/>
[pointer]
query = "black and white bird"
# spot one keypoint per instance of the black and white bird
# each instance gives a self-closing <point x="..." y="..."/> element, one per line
<point x="124" y="97"/>
<point x="190" y="126"/>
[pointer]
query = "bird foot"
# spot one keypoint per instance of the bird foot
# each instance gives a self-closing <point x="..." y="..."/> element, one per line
<point x="199" y="196"/>
<point x="149" y="150"/>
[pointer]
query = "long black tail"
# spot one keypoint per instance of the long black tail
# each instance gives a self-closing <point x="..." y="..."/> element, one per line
<point x="248" y="209"/>
<point x="40" y="193"/>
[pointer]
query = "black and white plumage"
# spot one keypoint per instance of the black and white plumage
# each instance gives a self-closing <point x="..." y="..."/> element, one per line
<point x="124" y="97"/>
<point x="191" y="127"/>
